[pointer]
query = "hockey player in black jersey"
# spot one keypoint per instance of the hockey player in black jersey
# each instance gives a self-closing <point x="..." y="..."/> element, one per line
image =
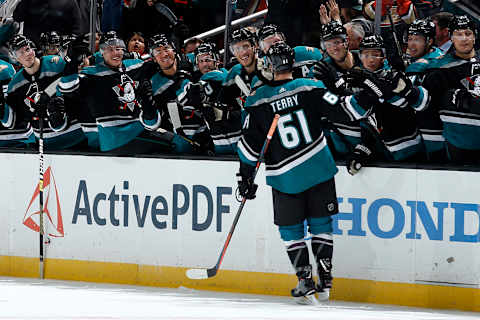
<point x="243" y="46"/>
<point x="299" y="166"/>
<point x="27" y="100"/>
<point x="177" y="98"/>
<point x="457" y="74"/>
<point x="398" y="127"/>
<point x="224" y="120"/>
<point x="117" y="97"/>
<point x="334" y="70"/>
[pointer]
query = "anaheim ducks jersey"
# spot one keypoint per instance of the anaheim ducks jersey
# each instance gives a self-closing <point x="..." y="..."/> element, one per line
<point x="20" y="96"/>
<point x="450" y="72"/>
<point x="298" y="157"/>
<point x="460" y="113"/>
<point x="428" y="120"/>
<point x="6" y="74"/>
<point x="110" y="98"/>
<point x="225" y="132"/>
<point x="171" y="98"/>
<point x="345" y="134"/>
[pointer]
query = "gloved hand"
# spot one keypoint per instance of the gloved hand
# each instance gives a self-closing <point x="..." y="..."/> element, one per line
<point x="328" y="75"/>
<point x="196" y="95"/>
<point x="56" y="112"/>
<point x="145" y="96"/>
<point x="246" y="187"/>
<point x="203" y="143"/>
<point x="356" y="159"/>
<point x="264" y="69"/>
<point x="181" y="30"/>
<point x="38" y="103"/>
<point x="381" y="85"/>
<point x="215" y="111"/>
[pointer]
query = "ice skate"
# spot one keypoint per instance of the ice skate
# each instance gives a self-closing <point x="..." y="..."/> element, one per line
<point x="324" y="283"/>
<point x="304" y="292"/>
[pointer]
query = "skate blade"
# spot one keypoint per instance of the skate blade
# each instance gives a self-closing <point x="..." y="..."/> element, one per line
<point x="323" y="296"/>
<point x="306" y="300"/>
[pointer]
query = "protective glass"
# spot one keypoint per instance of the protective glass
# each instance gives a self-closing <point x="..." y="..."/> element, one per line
<point x="23" y="52"/>
<point x="371" y="56"/>
<point x="240" y="47"/>
<point x="333" y="43"/>
<point x="463" y="36"/>
<point x="114" y="43"/>
<point x="266" y="43"/>
<point x="205" y="58"/>
<point x="162" y="50"/>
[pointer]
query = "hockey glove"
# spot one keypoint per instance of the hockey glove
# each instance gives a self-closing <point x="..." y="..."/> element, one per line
<point x="265" y="69"/>
<point x="38" y="103"/>
<point x="246" y="187"/>
<point x="356" y="159"/>
<point x="196" y="95"/>
<point x="56" y="113"/>
<point x="381" y="85"/>
<point x="328" y="75"/>
<point x="181" y="30"/>
<point x="203" y="143"/>
<point x="216" y="111"/>
<point x="145" y="96"/>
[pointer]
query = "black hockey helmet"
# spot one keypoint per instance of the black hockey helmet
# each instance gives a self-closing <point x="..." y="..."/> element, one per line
<point x="268" y="31"/>
<point x="422" y="27"/>
<point x="333" y="29"/>
<point x="111" y="38"/>
<point x="373" y="42"/>
<point x="51" y="38"/>
<point x="243" y="34"/>
<point x="207" y="48"/>
<point x="160" y="40"/>
<point x="281" y="57"/>
<point x="17" y="42"/>
<point x="461" y="23"/>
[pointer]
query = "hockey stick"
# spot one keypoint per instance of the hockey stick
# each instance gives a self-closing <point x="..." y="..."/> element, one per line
<point x="93" y="25"/>
<point x="50" y="91"/>
<point x="395" y="38"/>
<point x="242" y="85"/>
<point x="198" y="274"/>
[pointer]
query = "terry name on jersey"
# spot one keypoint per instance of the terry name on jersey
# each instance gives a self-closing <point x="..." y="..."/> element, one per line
<point x="284" y="103"/>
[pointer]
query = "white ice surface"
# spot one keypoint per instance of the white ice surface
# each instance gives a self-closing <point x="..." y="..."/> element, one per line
<point x="52" y="300"/>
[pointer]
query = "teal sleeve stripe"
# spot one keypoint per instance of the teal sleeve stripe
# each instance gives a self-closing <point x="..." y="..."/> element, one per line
<point x="244" y="159"/>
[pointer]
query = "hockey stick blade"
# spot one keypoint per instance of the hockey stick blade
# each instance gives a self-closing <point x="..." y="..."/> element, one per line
<point x="201" y="274"/>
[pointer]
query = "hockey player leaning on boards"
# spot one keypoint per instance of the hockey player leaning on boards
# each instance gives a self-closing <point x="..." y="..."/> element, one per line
<point x="334" y="42"/>
<point x="421" y="53"/>
<point x="177" y="98"/>
<point x="6" y="140"/>
<point x="118" y="96"/>
<point x="458" y="108"/>
<point x="26" y="100"/>
<point x="224" y="120"/>
<point x="299" y="166"/>
<point x="337" y="64"/>
<point x="398" y="131"/>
